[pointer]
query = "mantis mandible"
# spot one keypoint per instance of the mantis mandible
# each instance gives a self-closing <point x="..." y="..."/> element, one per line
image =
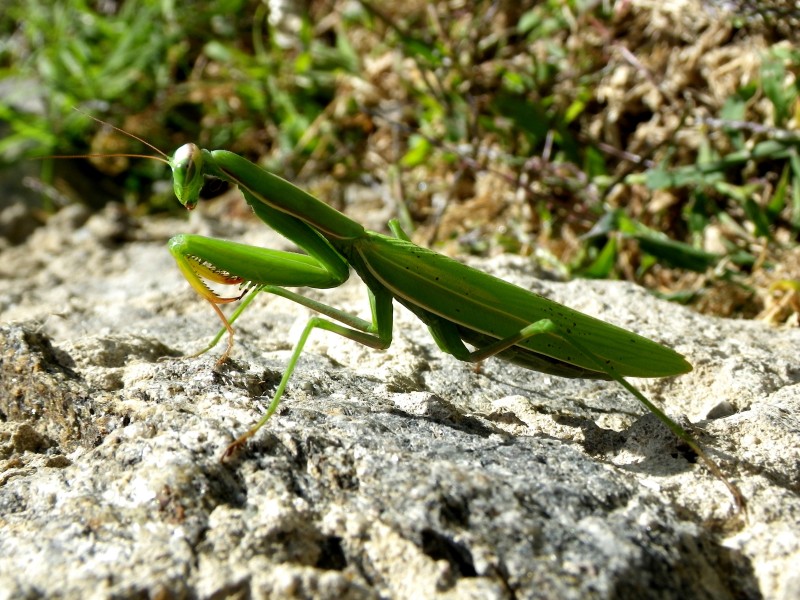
<point x="459" y="304"/>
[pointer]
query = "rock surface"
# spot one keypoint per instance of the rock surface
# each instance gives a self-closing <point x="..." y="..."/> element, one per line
<point x="396" y="474"/>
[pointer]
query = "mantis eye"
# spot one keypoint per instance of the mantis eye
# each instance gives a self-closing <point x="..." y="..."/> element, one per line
<point x="187" y="174"/>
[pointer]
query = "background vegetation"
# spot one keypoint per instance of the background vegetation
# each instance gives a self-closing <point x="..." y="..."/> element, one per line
<point x="604" y="139"/>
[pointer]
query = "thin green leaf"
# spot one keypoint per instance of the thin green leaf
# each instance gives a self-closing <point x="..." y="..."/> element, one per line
<point x="778" y="200"/>
<point x="419" y="148"/>
<point x="603" y="265"/>
<point x="673" y="252"/>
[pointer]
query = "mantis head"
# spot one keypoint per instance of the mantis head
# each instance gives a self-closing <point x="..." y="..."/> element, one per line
<point x="187" y="174"/>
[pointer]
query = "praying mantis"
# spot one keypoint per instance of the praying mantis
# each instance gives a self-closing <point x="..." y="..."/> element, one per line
<point x="461" y="306"/>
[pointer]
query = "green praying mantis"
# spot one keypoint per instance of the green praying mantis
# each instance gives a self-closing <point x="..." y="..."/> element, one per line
<point x="461" y="306"/>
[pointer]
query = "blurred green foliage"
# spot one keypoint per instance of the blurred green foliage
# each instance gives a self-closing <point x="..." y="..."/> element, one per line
<point x="433" y="97"/>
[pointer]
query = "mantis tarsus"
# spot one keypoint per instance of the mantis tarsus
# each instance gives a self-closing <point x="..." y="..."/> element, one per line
<point x="460" y="305"/>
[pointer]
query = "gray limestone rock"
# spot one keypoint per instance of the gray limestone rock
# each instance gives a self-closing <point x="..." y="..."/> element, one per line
<point x="396" y="474"/>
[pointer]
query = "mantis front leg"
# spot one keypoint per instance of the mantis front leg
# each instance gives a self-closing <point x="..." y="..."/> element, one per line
<point x="201" y="258"/>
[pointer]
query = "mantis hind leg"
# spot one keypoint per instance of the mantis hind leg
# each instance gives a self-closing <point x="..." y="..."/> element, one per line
<point x="449" y="339"/>
<point x="738" y="498"/>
